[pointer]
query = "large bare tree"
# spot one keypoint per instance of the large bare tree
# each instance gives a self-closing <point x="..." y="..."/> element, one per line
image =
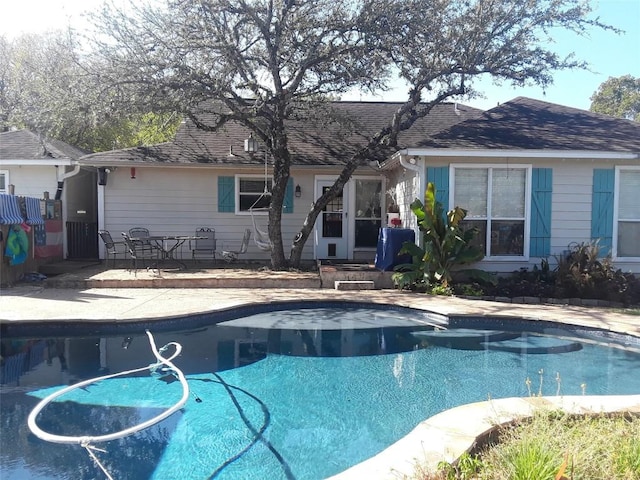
<point x="285" y="54"/>
<point x="45" y="88"/>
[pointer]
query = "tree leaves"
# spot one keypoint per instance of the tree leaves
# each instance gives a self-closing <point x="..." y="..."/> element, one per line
<point x="618" y="97"/>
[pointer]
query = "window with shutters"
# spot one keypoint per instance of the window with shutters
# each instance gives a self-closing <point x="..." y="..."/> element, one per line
<point x="497" y="200"/>
<point x="628" y="212"/>
<point x="253" y="192"/>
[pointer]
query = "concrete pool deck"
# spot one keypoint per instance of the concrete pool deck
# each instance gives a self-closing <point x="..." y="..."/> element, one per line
<point x="442" y="437"/>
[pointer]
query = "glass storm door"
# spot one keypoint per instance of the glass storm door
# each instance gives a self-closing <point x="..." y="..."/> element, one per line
<point x="331" y="225"/>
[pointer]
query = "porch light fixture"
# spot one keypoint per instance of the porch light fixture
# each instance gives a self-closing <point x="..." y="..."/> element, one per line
<point x="133" y="173"/>
<point x="251" y="144"/>
<point x="298" y="191"/>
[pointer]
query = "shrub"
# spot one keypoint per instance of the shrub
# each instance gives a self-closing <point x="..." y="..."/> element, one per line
<point x="446" y="245"/>
<point x="581" y="273"/>
<point x="584" y="273"/>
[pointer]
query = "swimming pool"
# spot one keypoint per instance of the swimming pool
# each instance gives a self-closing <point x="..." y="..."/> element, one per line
<point x="303" y="392"/>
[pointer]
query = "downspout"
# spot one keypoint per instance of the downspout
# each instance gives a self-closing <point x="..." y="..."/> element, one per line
<point x="415" y="165"/>
<point x="63" y="177"/>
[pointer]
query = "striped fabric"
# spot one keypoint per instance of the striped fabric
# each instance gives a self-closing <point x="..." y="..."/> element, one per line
<point x="34" y="217"/>
<point x="48" y="239"/>
<point x="9" y="210"/>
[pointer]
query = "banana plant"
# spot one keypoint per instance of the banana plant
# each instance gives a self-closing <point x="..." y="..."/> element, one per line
<point x="447" y="244"/>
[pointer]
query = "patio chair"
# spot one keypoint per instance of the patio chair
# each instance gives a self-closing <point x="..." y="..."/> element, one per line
<point x="112" y="248"/>
<point x="204" y="247"/>
<point x="138" y="232"/>
<point x="140" y="251"/>
<point x="232" y="255"/>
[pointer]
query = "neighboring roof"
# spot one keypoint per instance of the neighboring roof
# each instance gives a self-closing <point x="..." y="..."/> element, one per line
<point x="316" y="139"/>
<point x="24" y="145"/>
<point x="527" y="124"/>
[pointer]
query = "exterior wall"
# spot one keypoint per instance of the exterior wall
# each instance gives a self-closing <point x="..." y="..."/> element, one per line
<point x="571" y="205"/>
<point x="571" y="198"/>
<point x="80" y="193"/>
<point x="33" y="181"/>
<point x="179" y="200"/>
<point x="405" y="185"/>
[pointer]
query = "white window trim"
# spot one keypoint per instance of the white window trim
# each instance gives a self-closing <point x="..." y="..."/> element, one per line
<point x="527" y="204"/>
<point x="616" y="199"/>
<point x="6" y="181"/>
<point x="238" y="177"/>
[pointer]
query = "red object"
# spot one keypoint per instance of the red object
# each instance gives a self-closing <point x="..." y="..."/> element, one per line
<point x="396" y="222"/>
<point x="52" y="245"/>
<point x="133" y="172"/>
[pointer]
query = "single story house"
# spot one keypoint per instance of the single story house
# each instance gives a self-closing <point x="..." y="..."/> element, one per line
<point x="207" y="179"/>
<point x="534" y="176"/>
<point x="47" y="169"/>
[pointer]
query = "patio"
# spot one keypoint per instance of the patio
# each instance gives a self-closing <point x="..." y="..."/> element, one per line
<point x="71" y="274"/>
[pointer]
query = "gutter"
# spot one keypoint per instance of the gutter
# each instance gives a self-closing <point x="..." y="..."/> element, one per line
<point x="51" y="162"/>
<point x="493" y="153"/>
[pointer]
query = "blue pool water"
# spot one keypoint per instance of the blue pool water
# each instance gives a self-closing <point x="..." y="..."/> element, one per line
<point x="279" y="402"/>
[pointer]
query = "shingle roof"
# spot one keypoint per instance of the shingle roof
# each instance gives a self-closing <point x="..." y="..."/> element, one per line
<point x="313" y="140"/>
<point x="524" y="123"/>
<point x="26" y="145"/>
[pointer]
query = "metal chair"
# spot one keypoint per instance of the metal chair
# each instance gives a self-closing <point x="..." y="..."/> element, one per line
<point x="232" y="255"/>
<point x="206" y="246"/>
<point x="111" y="247"/>
<point x="138" y="232"/>
<point x="140" y="251"/>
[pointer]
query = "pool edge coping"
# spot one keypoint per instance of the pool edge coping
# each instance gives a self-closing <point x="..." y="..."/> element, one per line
<point x="449" y="434"/>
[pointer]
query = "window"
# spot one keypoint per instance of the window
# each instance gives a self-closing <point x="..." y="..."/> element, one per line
<point x="332" y="216"/>
<point x="253" y="193"/>
<point x="495" y="198"/>
<point x="368" y="212"/>
<point x="4" y="181"/>
<point x="628" y="216"/>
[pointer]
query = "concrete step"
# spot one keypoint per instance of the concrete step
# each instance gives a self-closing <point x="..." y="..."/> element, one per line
<point x="354" y="285"/>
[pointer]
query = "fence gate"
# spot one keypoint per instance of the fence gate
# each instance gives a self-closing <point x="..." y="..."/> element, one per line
<point x="82" y="240"/>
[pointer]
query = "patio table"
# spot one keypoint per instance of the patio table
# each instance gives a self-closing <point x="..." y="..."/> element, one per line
<point x="168" y="244"/>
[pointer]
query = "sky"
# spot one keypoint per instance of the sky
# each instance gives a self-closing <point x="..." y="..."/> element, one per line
<point x="609" y="54"/>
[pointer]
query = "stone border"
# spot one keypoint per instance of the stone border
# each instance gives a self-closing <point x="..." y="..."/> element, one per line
<point x="578" y="302"/>
<point x="447" y="435"/>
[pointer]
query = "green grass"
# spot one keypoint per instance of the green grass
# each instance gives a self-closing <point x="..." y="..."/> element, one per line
<point x="602" y="447"/>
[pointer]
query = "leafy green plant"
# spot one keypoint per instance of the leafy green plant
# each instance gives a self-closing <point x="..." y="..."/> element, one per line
<point x="447" y="244"/>
<point x="585" y="273"/>
<point x="465" y="468"/>
<point x="439" y="289"/>
<point x="558" y="445"/>
<point x="532" y="459"/>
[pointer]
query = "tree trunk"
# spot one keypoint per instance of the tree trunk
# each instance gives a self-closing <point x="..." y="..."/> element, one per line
<point x="281" y="162"/>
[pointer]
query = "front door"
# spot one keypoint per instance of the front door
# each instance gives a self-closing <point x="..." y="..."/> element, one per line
<point x="331" y="228"/>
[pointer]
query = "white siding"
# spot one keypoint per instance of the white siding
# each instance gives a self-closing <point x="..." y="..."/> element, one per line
<point x="178" y="200"/>
<point x="405" y="183"/>
<point x="571" y="200"/>
<point x="33" y="181"/>
<point x="571" y="210"/>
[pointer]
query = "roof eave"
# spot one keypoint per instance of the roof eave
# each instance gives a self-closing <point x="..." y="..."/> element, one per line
<point x="519" y="153"/>
<point x="49" y="162"/>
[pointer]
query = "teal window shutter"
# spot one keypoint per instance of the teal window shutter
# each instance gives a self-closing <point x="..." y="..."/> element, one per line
<point x="540" y="231"/>
<point x="440" y="177"/>
<point x="288" y="197"/>
<point x="602" y="208"/>
<point x="226" y="194"/>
